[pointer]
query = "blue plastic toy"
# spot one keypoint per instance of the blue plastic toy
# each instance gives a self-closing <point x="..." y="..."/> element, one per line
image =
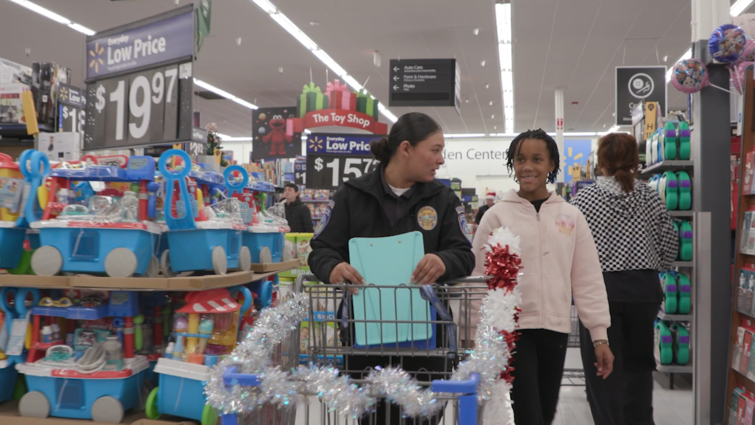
<point x="13" y="345"/>
<point x="192" y="246"/>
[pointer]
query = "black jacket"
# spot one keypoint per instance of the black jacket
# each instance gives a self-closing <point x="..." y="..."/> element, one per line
<point x="299" y="217"/>
<point x="357" y="211"/>
<point x="480" y="212"/>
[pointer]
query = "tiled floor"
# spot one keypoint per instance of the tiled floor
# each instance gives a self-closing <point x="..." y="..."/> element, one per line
<point x="672" y="407"/>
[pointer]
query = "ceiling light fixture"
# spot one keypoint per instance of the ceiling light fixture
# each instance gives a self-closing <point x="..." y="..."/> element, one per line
<point x="735" y="10"/>
<point x="82" y="29"/>
<point x="224" y="93"/>
<point x="54" y="16"/>
<point x="310" y="45"/>
<point x="505" y="61"/>
<point x="465" y="136"/>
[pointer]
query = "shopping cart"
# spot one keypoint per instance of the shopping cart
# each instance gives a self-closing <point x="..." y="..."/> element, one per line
<point x="330" y="337"/>
<point x="573" y="377"/>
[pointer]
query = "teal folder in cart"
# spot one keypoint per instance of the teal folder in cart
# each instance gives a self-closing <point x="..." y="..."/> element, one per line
<point x="389" y="261"/>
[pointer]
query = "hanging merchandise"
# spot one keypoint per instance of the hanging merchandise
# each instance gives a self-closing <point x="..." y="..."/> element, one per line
<point x="738" y="69"/>
<point x="727" y="43"/>
<point x="690" y="76"/>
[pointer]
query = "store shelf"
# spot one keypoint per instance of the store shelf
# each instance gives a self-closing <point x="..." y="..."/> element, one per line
<point x="674" y="317"/>
<point x="9" y="416"/>
<point x="681" y="213"/>
<point x="684" y="264"/>
<point x="674" y="368"/>
<point x="665" y="166"/>
<point x="315" y="201"/>
<point x="180" y="283"/>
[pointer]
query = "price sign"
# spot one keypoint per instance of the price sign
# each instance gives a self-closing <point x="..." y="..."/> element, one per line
<point x="140" y="84"/>
<point x="71" y="109"/>
<point x="300" y="173"/>
<point x="333" y="159"/>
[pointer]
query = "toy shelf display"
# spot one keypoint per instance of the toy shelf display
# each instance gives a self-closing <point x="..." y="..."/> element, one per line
<point x="103" y="355"/>
<point x="669" y="170"/>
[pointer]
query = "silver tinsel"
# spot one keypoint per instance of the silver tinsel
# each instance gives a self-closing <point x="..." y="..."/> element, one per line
<point x="285" y="388"/>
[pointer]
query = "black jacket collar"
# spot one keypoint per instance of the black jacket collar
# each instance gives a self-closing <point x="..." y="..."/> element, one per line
<point x="372" y="183"/>
<point x="295" y="203"/>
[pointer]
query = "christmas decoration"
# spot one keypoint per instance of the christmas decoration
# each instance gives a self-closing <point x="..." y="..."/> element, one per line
<point x="494" y="343"/>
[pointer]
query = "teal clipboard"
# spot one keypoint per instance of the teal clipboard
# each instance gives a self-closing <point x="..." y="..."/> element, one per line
<point x="389" y="261"/>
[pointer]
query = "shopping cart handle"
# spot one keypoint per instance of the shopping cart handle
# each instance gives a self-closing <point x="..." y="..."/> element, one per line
<point x="232" y="377"/>
<point x="461" y="387"/>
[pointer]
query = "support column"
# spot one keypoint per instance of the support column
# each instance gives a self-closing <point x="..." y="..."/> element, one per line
<point x="711" y="139"/>
<point x="560" y="127"/>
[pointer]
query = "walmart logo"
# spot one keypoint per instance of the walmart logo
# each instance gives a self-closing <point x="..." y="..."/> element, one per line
<point x="315" y="144"/>
<point x="96" y="55"/>
<point x="63" y="94"/>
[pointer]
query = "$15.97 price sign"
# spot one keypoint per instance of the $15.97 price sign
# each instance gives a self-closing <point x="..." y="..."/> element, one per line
<point x="140" y="109"/>
<point x="333" y="159"/>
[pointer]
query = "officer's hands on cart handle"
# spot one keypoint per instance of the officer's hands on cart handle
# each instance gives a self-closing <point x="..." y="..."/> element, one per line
<point x="605" y="359"/>
<point x="429" y="269"/>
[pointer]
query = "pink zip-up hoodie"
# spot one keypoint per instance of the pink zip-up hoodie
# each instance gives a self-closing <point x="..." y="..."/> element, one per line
<point x="559" y="260"/>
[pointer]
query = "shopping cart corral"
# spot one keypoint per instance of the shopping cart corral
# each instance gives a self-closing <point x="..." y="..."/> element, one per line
<point x="408" y="326"/>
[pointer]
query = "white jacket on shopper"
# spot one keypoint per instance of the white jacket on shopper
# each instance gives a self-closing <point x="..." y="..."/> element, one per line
<point x="559" y="260"/>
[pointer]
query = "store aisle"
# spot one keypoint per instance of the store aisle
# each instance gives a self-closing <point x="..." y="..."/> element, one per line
<point x="672" y="407"/>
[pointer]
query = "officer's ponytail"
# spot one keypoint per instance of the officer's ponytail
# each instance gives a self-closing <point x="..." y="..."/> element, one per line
<point x="413" y="127"/>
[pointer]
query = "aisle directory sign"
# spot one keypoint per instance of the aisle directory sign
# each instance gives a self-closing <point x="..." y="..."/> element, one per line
<point x="424" y="82"/>
<point x="635" y="84"/>
<point x="140" y="83"/>
<point x="333" y="159"/>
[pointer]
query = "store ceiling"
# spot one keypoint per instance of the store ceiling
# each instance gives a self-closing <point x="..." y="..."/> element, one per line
<point x="557" y="43"/>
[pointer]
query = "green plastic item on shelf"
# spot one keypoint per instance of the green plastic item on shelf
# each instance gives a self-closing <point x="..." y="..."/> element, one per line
<point x="24" y="264"/>
<point x="664" y="343"/>
<point x="685" y="148"/>
<point x="681" y="343"/>
<point x="670" y="188"/>
<point x="685" y="241"/>
<point x="669" y="137"/>
<point x="20" y="389"/>
<point x="671" y="293"/>
<point x="685" y="294"/>
<point x="685" y="190"/>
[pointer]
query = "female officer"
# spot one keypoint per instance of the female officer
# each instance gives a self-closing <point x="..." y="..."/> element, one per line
<point x="401" y="196"/>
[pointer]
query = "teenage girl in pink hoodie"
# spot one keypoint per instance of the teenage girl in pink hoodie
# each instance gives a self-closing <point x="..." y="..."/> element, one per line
<point x="559" y="262"/>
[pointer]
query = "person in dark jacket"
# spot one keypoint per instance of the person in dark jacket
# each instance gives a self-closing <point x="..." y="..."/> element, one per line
<point x="298" y="215"/>
<point x="401" y="196"/>
<point x="636" y="239"/>
<point x="489" y="202"/>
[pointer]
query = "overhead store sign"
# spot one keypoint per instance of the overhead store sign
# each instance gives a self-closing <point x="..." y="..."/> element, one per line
<point x="635" y="84"/>
<point x="425" y="82"/>
<point x="333" y="159"/>
<point x="341" y="118"/>
<point x="141" y="44"/>
<point x="148" y="100"/>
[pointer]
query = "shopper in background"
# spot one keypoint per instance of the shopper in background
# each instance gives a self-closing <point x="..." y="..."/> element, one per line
<point x="559" y="260"/>
<point x="297" y="213"/>
<point x="399" y="197"/>
<point x="489" y="201"/>
<point x="635" y="239"/>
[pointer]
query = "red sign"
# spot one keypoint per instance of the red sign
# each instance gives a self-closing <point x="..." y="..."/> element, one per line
<point x="559" y="124"/>
<point x="340" y="118"/>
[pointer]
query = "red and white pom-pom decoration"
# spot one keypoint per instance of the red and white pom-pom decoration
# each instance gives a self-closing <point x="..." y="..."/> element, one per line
<point x="502" y="266"/>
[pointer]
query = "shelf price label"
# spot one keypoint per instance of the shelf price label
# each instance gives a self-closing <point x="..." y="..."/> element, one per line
<point x="71" y="109"/>
<point x="300" y="173"/>
<point x="333" y="159"/>
<point x="140" y="109"/>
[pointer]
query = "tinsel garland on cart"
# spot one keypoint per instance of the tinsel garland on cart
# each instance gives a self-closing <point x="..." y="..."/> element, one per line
<point x="494" y="343"/>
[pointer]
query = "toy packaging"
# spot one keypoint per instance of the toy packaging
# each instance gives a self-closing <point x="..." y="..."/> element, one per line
<point x="60" y="146"/>
<point x="11" y="107"/>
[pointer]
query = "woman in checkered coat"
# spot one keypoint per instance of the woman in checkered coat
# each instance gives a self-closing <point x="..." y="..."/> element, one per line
<point x="635" y="238"/>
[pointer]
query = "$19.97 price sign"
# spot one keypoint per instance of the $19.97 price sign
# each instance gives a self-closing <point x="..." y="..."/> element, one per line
<point x="333" y="159"/>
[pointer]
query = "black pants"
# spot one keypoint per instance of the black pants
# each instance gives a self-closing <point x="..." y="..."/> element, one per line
<point x="626" y="396"/>
<point x="538" y="367"/>
<point x="424" y="369"/>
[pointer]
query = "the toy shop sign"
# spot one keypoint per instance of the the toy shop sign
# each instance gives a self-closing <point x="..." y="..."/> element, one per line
<point x="141" y="44"/>
<point x="339" y="117"/>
